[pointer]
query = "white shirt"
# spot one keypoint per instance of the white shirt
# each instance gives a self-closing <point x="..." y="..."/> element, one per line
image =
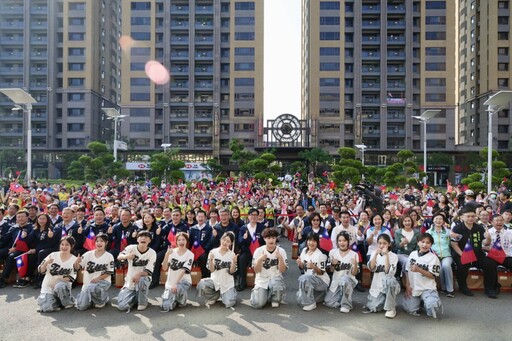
<point x="177" y="263"/>
<point x="373" y="246"/>
<point x="142" y="262"/>
<point x="94" y="267"/>
<point x="317" y="258"/>
<point x="352" y="232"/>
<point x="57" y="271"/>
<point x="270" y="267"/>
<point x="343" y="267"/>
<point x="418" y="282"/>
<point x="221" y="277"/>
<point x="379" y="273"/>
<point x="505" y="237"/>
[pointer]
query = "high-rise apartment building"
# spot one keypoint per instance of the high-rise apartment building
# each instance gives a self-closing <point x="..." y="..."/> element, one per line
<point x="67" y="56"/>
<point x="484" y="61"/>
<point x="370" y="65"/>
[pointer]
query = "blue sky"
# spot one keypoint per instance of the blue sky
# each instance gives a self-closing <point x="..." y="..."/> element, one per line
<point x="282" y="57"/>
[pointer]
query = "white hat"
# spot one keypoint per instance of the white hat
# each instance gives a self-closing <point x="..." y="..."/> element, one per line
<point x="470" y="193"/>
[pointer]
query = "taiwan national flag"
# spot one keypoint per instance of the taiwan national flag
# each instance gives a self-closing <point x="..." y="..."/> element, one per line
<point x="197" y="250"/>
<point x="497" y="253"/>
<point x="89" y="241"/>
<point x="171" y="237"/>
<point x="255" y="243"/>
<point x="22" y="265"/>
<point x="124" y="242"/>
<point x="21" y="245"/>
<point x="16" y="187"/>
<point x="325" y="242"/>
<point x="468" y="255"/>
<point x="356" y="250"/>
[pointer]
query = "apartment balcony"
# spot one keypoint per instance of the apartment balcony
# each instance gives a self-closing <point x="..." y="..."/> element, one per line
<point x="396" y="9"/>
<point x="370" y="9"/>
<point x="370" y="24"/>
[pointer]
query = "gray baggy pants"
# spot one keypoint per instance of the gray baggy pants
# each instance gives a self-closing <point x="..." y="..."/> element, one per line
<point x="274" y="293"/>
<point x="94" y="293"/>
<point x="206" y="289"/>
<point x="311" y="290"/>
<point x="387" y="299"/>
<point x="61" y="297"/>
<point x="429" y="297"/>
<point x="170" y="300"/>
<point x="127" y="298"/>
<point x="342" y="296"/>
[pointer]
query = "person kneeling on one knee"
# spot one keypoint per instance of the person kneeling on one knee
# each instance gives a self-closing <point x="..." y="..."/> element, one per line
<point x="269" y="263"/>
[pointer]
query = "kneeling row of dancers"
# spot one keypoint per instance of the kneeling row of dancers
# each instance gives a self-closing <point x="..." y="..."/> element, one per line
<point x="269" y="263"/>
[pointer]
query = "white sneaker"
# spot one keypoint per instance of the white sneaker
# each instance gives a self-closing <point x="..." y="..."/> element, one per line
<point x="141" y="307"/>
<point x="390" y="314"/>
<point x="275" y="304"/>
<point x="344" y="310"/>
<point x="309" y="307"/>
<point x="99" y="305"/>
<point x="69" y="306"/>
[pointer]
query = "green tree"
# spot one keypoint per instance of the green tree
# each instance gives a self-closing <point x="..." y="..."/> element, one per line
<point x="166" y="165"/>
<point x="99" y="164"/>
<point x="240" y="156"/>
<point x="347" y="167"/>
<point x="316" y="158"/>
<point x="214" y="167"/>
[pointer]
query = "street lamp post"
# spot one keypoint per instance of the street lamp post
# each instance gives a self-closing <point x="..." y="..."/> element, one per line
<point x="494" y="104"/>
<point x="165" y="146"/>
<point x="113" y="114"/>
<point x="21" y="97"/>
<point x="362" y="147"/>
<point x="427" y="115"/>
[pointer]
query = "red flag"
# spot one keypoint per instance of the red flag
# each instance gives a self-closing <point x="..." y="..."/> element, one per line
<point x="430" y="203"/>
<point x="16" y="187"/>
<point x="22" y="265"/>
<point x="171" y="237"/>
<point x="124" y="242"/>
<point x="393" y="196"/>
<point x="255" y="243"/>
<point x="325" y="242"/>
<point x="21" y="245"/>
<point x="197" y="250"/>
<point x="468" y="255"/>
<point x="89" y="241"/>
<point x="497" y="253"/>
<point x="355" y="248"/>
<point x="206" y="205"/>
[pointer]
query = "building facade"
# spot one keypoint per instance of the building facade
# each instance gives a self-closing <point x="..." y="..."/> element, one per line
<point x="371" y="65"/>
<point x="67" y="55"/>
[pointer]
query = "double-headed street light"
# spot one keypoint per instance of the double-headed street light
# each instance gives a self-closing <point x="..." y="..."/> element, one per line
<point x="165" y="146"/>
<point x="361" y="147"/>
<point x="113" y="114"/>
<point x="495" y="103"/>
<point x="427" y="115"/>
<point x="22" y="98"/>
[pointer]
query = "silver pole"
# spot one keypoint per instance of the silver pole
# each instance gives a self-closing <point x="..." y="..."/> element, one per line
<point x="29" y="142"/>
<point x="489" y="152"/>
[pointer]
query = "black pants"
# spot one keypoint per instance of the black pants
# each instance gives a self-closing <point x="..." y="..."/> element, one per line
<point x="155" y="280"/>
<point x="34" y="260"/>
<point x="488" y="266"/>
<point x="244" y="261"/>
<point x="10" y="264"/>
<point x="201" y="262"/>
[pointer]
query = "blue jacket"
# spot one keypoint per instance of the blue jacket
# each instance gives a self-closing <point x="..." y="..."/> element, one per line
<point x="204" y="237"/>
<point x="244" y="244"/>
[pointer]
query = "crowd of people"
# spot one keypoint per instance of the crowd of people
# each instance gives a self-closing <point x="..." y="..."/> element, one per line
<point x="407" y="237"/>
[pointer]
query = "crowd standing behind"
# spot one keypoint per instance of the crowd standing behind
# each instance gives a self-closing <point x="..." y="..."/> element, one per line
<point x="226" y="228"/>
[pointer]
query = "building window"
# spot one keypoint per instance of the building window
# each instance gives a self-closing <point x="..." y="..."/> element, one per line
<point x="330" y="81"/>
<point x="73" y="96"/>
<point x="139" y="81"/>
<point x="435" y="81"/>
<point x="327" y="5"/>
<point x="435" y="5"/>
<point x="244" y="67"/>
<point x="244" y="6"/>
<point x="76" y="142"/>
<point x="76" y="81"/>
<point x="76" y="36"/>
<point x="76" y="66"/>
<point x="502" y="35"/>
<point x="435" y="97"/>
<point x="503" y="4"/>
<point x="435" y="51"/>
<point x="502" y="51"/>
<point x="75" y="127"/>
<point x="141" y="35"/>
<point x="503" y="82"/>
<point x="435" y="20"/>
<point x="137" y="66"/>
<point x="502" y="20"/>
<point x="139" y="96"/>
<point x="76" y="51"/>
<point x="76" y="21"/>
<point x="76" y="112"/>
<point x="244" y="21"/>
<point x="136" y="21"/>
<point x="244" y="51"/>
<point x="139" y="112"/>
<point x="329" y="35"/>
<point x="244" y="36"/>
<point x="139" y="127"/>
<point x="140" y="5"/>
<point x="435" y="35"/>
<point x="502" y="66"/>
<point x="244" y="81"/>
<point x="329" y="51"/>
<point x="329" y="66"/>
<point x="435" y="66"/>
<point x="77" y="6"/>
<point x="330" y="21"/>
<point x="503" y="129"/>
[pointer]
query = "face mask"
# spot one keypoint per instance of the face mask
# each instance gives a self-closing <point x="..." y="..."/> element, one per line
<point x="269" y="206"/>
<point x="246" y="204"/>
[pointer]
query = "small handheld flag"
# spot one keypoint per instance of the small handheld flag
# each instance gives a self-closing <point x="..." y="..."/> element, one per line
<point x="171" y="237"/>
<point x="497" y="253"/>
<point x="22" y="264"/>
<point x="255" y="243"/>
<point x="355" y="248"/>
<point x="325" y="242"/>
<point x="468" y="255"/>
<point x="89" y="241"/>
<point x="197" y="250"/>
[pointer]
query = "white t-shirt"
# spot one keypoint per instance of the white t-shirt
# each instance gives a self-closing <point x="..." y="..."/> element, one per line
<point x="57" y="271"/>
<point x="317" y="258"/>
<point x="343" y="267"/>
<point x="418" y="282"/>
<point x="142" y="262"/>
<point x="351" y="230"/>
<point x="177" y="263"/>
<point x="505" y="237"/>
<point x="221" y="277"/>
<point x="270" y="266"/>
<point x="373" y="246"/>
<point x="379" y="273"/>
<point x="94" y="267"/>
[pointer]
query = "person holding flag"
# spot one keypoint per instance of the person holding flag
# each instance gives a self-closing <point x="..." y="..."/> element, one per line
<point x="222" y="263"/>
<point x="223" y="226"/>
<point x="466" y="241"/>
<point x="314" y="282"/>
<point x="500" y="247"/>
<point x="170" y="230"/>
<point x="344" y="264"/>
<point x="99" y="225"/>
<point x="98" y="267"/>
<point x="17" y="242"/>
<point x="201" y="239"/>
<point x="124" y="233"/>
<point x="249" y="239"/>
